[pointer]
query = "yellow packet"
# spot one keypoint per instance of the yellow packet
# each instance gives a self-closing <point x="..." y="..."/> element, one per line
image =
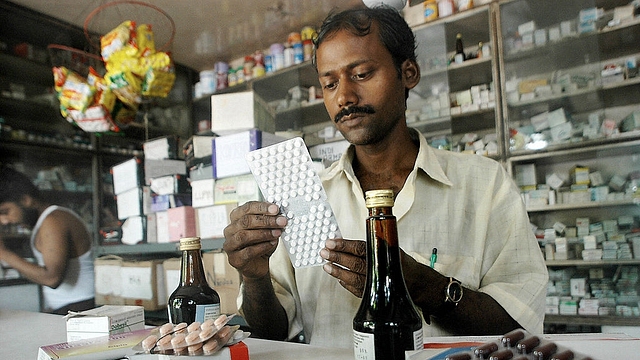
<point x="125" y="60"/>
<point x="158" y="83"/>
<point x="145" y="40"/>
<point x="117" y="38"/>
<point x="76" y="93"/>
<point x="126" y="86"/>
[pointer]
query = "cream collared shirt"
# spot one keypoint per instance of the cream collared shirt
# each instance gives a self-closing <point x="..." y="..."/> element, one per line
<point x="466" y="206"/>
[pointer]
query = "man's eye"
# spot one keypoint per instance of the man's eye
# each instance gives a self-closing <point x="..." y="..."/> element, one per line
<point x="330" y="86"/>
<point x="361" y="76"/>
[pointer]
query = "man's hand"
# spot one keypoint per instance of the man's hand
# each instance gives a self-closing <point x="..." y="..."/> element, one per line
<point x="252" y="236"/>
<point x="347" y="263"/>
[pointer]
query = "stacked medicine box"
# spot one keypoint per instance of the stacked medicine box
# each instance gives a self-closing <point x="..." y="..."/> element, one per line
<point x="166" y="175"/>
<point x="154" y="193"/>
<point x="219" y="174"/>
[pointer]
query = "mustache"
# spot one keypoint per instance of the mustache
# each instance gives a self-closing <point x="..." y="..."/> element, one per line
<point x="365" y="109"/>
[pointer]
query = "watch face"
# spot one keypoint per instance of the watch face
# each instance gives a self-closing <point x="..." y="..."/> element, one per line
<point x="454" y="291"/>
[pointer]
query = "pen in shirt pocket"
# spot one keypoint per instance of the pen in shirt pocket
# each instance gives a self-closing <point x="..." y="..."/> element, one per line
<point x="434" y="257"/>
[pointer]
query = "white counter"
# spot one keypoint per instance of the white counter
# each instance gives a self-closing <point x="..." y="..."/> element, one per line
<point x="22" y="333"/>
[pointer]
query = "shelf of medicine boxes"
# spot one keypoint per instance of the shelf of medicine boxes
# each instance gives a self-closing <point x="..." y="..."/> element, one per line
<point x="572" y="65"/>
<point x="272" y="91"/>
<point x="592" y="320"/>
<point x="441" y="77"/>
<point x="614" y="156"/>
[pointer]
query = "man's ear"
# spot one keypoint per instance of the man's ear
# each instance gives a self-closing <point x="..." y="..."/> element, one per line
<point x="410" y="73"/>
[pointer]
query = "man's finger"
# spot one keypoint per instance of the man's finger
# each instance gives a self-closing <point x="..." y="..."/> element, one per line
<point x="355" y="247"/>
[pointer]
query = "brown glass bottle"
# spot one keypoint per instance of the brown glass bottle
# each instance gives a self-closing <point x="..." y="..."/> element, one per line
<point x="387" y="323"/>
<point x="193" y="299"/>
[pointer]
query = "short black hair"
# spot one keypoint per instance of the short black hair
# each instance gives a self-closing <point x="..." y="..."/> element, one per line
<point x="395" y="33"/>
<point x="14" y="185"/>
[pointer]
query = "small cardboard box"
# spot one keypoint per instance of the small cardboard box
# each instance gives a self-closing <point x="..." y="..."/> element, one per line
<point x="182" y="222"/>
<point x="201" y="171"/>
<point x="202" y="193"/>
<point x="211" y="220"/>
<point x="165" y="147"/>
<point x="236" y="190"/>
<point x="159" y="168"/>
<point x="240" y="111"/>
<point x="104" y="320"/>
<point x="99" y="348"/>
<point x="127" y="175"/>
<point x="162" y="227"/>
<point x="229" y="151"/>
<point x="143" y="284"/>
<point x="134" y="230"/>
<point x="329" y="152"/>
<point x="170" y="185"/>
<point x="129" y="203"/>
<point x="152" y="229"/>
<point x="198" y="149"/>
<point x="108" y="288"/>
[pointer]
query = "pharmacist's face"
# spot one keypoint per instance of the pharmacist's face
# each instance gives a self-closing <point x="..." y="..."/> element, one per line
<point x="363" y="92"/>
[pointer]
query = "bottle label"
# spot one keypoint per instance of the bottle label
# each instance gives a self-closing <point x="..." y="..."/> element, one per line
<point x="206" y="312"/>
<point x="363" y="346"/>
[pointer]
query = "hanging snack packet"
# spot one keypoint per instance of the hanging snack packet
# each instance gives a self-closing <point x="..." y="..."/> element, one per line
<point x="145" y="40"/>
<point x="160" y="75"/>
<point x="73" y="90"/>
<point x="117" y="39"/>
<point x="104" y="96"/>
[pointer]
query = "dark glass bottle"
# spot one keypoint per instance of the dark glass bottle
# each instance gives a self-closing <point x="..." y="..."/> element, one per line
<point x="459" y="57"/>
<point x="387" y="323"/>
<point x="193" y="299"/>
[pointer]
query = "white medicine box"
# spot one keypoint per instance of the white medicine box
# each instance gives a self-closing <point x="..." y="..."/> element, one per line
<point x="229" y="151"/>
<point x="127" y="175"/>
<point x="231" y="113"/>
<point x="104" y="320"/>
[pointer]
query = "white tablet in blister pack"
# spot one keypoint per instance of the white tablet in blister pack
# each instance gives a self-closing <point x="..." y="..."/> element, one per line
<point x="286" y="177"/>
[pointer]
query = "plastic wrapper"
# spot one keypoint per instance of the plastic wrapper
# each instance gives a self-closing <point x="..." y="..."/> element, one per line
<point x="117" y="39"/>
<point x="94" y="119"/>
<point x="74" y="92"/>
<point x="145" y="40"/>
<point x="103" y="96"/>
<point x="192" y="339"/>
<point x="160" y="75"/>
<point x="127" y="86"/>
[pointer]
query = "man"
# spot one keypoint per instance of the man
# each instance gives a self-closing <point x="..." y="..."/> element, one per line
<point x="59" y="241"/>
<point x="466" y="206"/>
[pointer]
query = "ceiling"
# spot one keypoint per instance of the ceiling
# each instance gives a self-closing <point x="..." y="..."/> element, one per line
<point x="206" y="31"/>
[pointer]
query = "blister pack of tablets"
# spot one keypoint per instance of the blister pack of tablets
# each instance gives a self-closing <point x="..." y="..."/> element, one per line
<point x="286" y="177"/>
<point x="193" y="339"/>
<point x="519" y="345"/>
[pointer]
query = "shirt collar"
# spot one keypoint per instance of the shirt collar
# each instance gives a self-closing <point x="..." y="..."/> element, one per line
<point x="427" y="161"/>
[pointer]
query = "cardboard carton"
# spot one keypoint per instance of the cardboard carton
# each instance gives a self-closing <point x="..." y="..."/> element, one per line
<point x="104" y="320"/>
<point x="143" y="284"/>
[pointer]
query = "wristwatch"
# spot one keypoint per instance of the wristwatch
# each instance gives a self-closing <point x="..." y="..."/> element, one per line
<point x="452" y="293"/>
<point x="452" y="296"/>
